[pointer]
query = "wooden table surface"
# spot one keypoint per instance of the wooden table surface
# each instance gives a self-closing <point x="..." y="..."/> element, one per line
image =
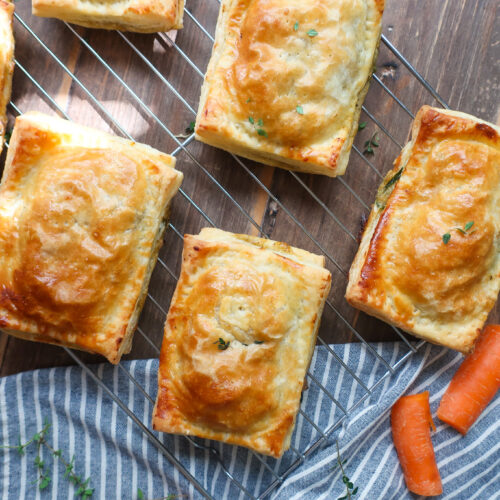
<point x="454" y="44"/>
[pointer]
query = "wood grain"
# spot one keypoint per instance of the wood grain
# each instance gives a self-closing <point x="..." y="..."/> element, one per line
<point x="453" y="44"/>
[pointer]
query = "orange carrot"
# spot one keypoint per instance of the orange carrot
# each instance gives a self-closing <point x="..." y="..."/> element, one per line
<point x="474" y="384"/>
<point x="411" y="421"/>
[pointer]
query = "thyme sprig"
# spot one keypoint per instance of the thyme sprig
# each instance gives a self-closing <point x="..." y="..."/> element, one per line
<point x="351" y="490"/>
<point x="83" y="490"/>
<point x="187" y="132"/>
<point x="222" y="345"/>
<point x="371" y="143"/>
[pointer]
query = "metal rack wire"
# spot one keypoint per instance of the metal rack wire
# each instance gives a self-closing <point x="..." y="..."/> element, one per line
<point x="273" y="475"/>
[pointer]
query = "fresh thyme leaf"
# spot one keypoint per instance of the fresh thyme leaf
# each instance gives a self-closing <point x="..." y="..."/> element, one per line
<point x="258" y="342"/>
<point x="140" y="494"/>
<point x="296" y="26"/>
<point x="251" y="120"/>
<point x="7" y="135"/>
<point x="395" y="178"/>
<point x="446" y="238"/>
<point x="44" y="483"/>
<point x="260" y="123"/>
<point x="361" y="126"/>
<point x="460" y="230"/>
<point x="300" y="110"/>
<point x="345" y="479"/>
<point x="249" y="100"/>
<point x="190" y="129"/>
<point x="222" y="345"/>
<point x="262" y="132"/>
<point x="312" y="32"/>
<point x="468" y="225"/>
<point x="354" y="491"/>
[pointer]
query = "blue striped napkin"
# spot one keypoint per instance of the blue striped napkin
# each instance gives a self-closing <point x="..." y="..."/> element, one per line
<point x="110" y="449"/>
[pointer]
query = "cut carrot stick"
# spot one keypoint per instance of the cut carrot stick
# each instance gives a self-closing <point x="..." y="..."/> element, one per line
<point x="474" y="384"/>
<point x="411" y="421"/>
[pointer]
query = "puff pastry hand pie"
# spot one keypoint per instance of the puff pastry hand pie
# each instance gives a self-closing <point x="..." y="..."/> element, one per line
<point x="238" y="340"/>
<point x="143" y="16"/>
<point x="6" y="62"/>
<point x="429" y="258"/>
<point x="287" y="79"/>
<point x="82" y="215"/>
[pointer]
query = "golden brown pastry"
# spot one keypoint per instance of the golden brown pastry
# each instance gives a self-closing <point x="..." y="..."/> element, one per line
<point x="238" y="339"/>
<point x="6" y="62"/>
<point x="287" y="79"/>
<point x="429" y="257"/>
<point x="82" y="214"/>
<point x="143" y="16"/>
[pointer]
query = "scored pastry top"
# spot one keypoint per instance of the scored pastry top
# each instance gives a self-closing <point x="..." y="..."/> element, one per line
<point x="79" y="214"/>
<point x="238" y="340"/>
<point x="286" y="78"/>
<point x="429" y="259"/>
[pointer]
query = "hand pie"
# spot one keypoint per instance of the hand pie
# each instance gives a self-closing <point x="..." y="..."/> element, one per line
<point x="428" y="261"/>
<point x="238" y="340"/>
<point x="287" y="79"/>
<point x="143" y="16"/>
<point x="6" y="62"/>
<point x="82" y="214"/>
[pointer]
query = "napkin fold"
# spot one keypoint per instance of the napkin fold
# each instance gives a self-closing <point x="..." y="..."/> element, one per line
<point x="110" y="449"/>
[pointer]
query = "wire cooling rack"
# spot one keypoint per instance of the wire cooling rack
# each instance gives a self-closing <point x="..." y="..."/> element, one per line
<point x="144" y="106"/>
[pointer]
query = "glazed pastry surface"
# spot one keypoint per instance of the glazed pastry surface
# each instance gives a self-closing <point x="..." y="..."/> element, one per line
<point x="6" y="62"/>
<point x="287" y="79"/>
<point x="143" y="16"/>
<point x="238" y="339"/>
<point x="429" y="258"/>
<point x="82" y="215"/>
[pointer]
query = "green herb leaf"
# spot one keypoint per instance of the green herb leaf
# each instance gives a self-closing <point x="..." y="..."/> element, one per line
<point x="260" y="123"/>
<point x="296" y="26"/>
<point x="262" y="132"/>
<point x="249" y="100"/>
<point x="469" y="225"/>
<point x="354" y="491"/>
<point x="222" y="345"/>
<point x="7" y="135"/>
<point x="350" y="485"/>
<point x="312" y="32"/>
<point x="361" y="126"/>
<point x="44" y="482"/>
<point x="395" y="178"/>
<point x="342" y="498"/>
<point x="345" y="479"/>
<point x="370" y="144"/>
<point x="190" y="128"/>
<point x="140" y="494"/>
<point x="258" y="342"/>
<point x="446" y="238"/>
<point x="300" y="110"/>
<point x="460" y="230"/>
<point x="251" y="120"/>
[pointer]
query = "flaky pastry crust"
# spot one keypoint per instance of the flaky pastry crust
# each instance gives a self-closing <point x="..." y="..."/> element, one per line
<point x="142" y="16"/>
<point x="263" y="300"/>
<point x="287" y="79"/>
<point x="82" y="214"/>
<point x="429" y="259"/>
<point x="6" y="62"/>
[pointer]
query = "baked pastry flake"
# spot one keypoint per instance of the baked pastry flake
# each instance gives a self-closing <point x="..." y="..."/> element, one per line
<point x="287" y="79"/>
<point x="82" y="214"/>
<point x="6" y="62"/>
<point x="238" y="340"/>
<point x="429" y="258"/>
<point x="142" y="16"/>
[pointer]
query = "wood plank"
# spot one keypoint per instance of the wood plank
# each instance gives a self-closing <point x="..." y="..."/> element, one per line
<point x="453" y="44"/>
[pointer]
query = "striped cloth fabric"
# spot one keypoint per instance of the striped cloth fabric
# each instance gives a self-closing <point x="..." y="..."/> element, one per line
<point x="123" y="464"/>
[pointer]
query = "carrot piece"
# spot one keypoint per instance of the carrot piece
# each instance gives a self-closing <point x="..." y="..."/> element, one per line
<point x="411" y="421"/>
<point x="475" y="383"/>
